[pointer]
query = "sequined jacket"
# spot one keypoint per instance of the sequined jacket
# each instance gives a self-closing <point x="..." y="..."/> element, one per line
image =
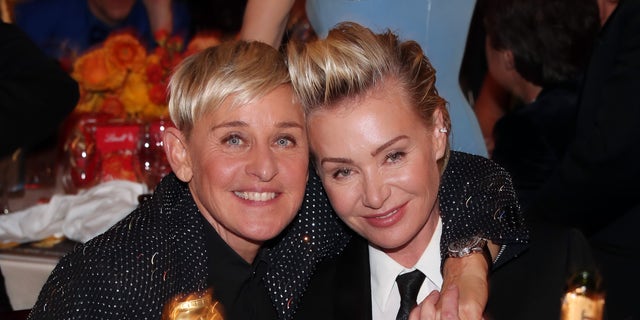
<point x="156" y="252"/>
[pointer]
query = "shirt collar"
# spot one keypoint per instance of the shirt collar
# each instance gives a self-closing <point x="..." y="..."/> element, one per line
<point x="384" y="270"/>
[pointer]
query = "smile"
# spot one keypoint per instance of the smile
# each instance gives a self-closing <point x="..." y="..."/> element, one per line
<point x="255" y="196"/>
<point x="388" y="214"/>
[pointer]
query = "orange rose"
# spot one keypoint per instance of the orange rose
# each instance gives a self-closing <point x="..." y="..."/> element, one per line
<point x="125" y="51"/>
<point x="94" y="72"/>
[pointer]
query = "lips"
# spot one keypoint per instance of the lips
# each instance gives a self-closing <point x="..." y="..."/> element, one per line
<point x="255" y="196"/>
<point x="388" y="218"/>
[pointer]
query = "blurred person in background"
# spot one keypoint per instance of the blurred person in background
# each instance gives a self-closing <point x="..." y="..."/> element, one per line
<point x="36" y="95"/>
<point x="66" y="28"/>
<point x="537" y="50"/>
<point x="596" y="185"/>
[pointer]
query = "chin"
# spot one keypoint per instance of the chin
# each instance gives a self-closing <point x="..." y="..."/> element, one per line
<point x="263" y="234"/>
<point x="388" y="242"/>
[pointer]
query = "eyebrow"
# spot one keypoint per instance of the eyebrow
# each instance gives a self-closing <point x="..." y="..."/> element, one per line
<point x="234" y="124"/>
<point x="337" y="160"/>
<point x="230" y="124"/>
<point x="374" y="153"/>
<point x="387" y="144"/>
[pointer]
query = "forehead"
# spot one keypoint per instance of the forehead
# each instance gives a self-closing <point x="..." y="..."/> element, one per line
<point x="276" y="106"/>
<point x="366" y="119"/>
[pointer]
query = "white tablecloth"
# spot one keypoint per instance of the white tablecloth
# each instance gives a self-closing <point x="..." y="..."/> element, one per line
<point x="24" y="277"/>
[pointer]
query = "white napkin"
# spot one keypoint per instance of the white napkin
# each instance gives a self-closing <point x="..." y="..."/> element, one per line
<point x="78" y="217"/>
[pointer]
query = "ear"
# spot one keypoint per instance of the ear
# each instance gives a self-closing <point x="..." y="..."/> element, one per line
<point x="177" y="151"/>
<point x="508" y="60"/>
<point x="440" y="134"/>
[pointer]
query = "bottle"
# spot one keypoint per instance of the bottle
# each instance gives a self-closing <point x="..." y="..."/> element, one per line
<point x="198" y="305"/>
<point x="583" y="299"/>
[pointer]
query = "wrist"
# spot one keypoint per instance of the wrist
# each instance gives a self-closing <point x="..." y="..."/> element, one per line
<point x="470" y="246"/>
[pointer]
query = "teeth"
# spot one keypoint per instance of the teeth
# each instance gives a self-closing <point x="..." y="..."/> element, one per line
<point x="389" y="215"/>
<point x="256" y="196"/>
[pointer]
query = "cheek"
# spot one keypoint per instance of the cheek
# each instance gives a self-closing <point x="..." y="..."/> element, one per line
<point x="343" y="199"/>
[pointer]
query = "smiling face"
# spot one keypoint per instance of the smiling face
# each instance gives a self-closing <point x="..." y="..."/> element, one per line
<point x="246" y="167"/>
<point x="377" y="160"/>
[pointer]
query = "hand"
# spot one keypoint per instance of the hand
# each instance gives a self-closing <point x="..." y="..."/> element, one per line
<point x="438" y="307"/>
<point x="468" y="276"/>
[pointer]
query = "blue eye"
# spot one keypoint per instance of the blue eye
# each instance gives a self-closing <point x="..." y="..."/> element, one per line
<point x="233" y="140"/>
<point x="341" y="173"/>
<point x="395" y="156"/>
<point x="285" y="141"/>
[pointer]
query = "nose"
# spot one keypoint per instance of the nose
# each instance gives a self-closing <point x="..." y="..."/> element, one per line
<point x="262" y="163"/>
<point x="375" y="192"/>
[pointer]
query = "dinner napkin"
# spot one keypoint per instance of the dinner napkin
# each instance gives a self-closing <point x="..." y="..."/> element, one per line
<point x="79" y="217"/>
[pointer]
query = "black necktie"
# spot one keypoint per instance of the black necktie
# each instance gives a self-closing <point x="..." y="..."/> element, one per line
<point x="409" y="286"/>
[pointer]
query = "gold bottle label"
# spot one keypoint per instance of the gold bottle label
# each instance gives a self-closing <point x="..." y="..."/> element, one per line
<point x="576" y="306"/>
<point x="195" y="306"/>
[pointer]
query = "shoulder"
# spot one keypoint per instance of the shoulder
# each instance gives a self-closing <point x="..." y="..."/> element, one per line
<point x="466" y="167"/>
<point x="479" y="193"/>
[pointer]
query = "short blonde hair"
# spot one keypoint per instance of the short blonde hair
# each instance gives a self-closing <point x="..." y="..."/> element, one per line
<point x="352" y="61"/>
<point x="238" y="70"/>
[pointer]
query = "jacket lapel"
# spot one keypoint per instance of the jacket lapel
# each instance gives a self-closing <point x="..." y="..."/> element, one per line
<point x="353" y="294"/>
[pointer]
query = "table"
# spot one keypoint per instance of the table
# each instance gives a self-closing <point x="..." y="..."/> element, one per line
<point x="26" y="268"/>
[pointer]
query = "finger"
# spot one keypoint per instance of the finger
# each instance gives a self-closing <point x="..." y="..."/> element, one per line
<point x="426" y="310"/>
<point x="449" y="302"/>
<point x="432" y="298"/>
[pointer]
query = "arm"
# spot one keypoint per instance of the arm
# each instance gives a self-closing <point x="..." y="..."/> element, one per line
<point x="476" y="198"/>
<point x="469" y="277"/>
<point x="266" y="20"/>
<point x="160" y="14"/>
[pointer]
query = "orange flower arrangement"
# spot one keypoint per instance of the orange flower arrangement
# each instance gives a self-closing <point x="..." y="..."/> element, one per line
<point x="121" y="79"/>
<point x="123" y="90"/>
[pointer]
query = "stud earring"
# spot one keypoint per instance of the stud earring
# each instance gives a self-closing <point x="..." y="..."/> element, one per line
<point x="443" y="130"/>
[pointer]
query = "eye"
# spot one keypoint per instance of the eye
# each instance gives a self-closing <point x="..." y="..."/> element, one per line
<point x="285" y="141"/>
<point x="395" y="156"/>
<point x="341" y="173"/>
<point x="233" y="139"/>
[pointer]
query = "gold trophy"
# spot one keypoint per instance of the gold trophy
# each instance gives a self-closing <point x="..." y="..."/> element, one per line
<point x="193" y="306"/>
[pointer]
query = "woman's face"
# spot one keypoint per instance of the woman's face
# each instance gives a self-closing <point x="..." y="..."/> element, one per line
<point x="377" y="160"/>
<point x="247" y="168"/>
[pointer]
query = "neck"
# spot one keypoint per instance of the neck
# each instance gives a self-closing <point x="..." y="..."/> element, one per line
<point x="528" y="91"/>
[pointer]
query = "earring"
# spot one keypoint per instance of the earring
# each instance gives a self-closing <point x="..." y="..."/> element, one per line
<point x="443" y="130"/>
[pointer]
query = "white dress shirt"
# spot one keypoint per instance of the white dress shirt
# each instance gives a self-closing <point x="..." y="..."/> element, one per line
<point x="385" y="297"/>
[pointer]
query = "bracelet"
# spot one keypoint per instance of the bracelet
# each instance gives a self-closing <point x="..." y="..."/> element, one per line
<point x="469" y="246"/>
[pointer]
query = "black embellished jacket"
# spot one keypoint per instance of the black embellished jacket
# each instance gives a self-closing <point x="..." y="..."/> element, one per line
<point x="158" y="251"/>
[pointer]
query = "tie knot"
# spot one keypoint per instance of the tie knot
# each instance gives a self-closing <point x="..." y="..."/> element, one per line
<point x="409" y="286"/>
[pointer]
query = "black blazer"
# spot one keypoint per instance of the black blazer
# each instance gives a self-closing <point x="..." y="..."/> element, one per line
<point x="340" y="288"/>
<point x="527" y="286"/>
